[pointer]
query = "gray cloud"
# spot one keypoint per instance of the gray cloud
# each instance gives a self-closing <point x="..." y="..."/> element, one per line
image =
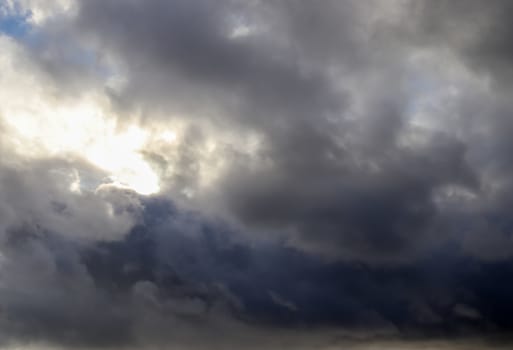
<point x="329" y="112"/>
<point x="346" y="136"/>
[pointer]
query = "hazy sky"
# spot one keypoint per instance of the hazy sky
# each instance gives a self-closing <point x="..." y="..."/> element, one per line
<point x="253" y="174"/>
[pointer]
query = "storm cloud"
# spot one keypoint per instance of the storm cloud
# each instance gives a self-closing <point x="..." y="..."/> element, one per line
<point x="248" y="174"/>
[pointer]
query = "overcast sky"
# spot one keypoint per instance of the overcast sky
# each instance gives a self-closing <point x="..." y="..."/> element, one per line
<point x="253" y="174"/>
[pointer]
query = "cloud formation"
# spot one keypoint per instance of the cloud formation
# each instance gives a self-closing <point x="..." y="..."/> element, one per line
<point x="239" y="174"/>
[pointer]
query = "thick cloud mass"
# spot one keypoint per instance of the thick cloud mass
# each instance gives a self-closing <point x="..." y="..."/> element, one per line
<point x="330" y="164"/>
<point x="255" y="174"/>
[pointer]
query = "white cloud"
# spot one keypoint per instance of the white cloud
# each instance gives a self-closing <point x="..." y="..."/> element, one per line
<point x="38" y="11"/>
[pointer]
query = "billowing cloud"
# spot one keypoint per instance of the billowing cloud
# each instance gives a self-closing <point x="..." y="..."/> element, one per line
<point x="247" y="174"/>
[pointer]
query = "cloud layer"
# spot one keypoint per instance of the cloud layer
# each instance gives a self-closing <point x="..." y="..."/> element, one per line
<point x="239" y="174"/>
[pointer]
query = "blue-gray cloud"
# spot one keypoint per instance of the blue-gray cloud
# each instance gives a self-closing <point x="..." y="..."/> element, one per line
<point x="342" y="165"/>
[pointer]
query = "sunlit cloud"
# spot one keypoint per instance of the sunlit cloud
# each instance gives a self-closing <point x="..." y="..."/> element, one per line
<point x="39" y="124"/>
<point x="82" y="130"/>
<point x="37" y="11"/>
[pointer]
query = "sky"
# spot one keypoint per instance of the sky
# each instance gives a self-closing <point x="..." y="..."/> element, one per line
<point x="253" y="174"/>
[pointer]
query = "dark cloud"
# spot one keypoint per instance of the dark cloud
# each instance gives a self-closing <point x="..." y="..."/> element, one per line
<point x="352" y="210"/>
<point x="48" y="296"/>
<point x="345" y="184"/>
<point x="445" y="293"/>
<point x="340" y="170"/>
<point x="182" y="273"/>
<point x="481" y="33"/>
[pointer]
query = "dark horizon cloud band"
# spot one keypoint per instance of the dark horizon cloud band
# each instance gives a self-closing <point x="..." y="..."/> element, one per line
<point x="256" y="174"/>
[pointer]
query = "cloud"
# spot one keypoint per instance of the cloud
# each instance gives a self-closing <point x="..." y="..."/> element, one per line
<point x="191" y="173"/>
<point x="328" y="130"/>
<point x="185" y="280"/>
